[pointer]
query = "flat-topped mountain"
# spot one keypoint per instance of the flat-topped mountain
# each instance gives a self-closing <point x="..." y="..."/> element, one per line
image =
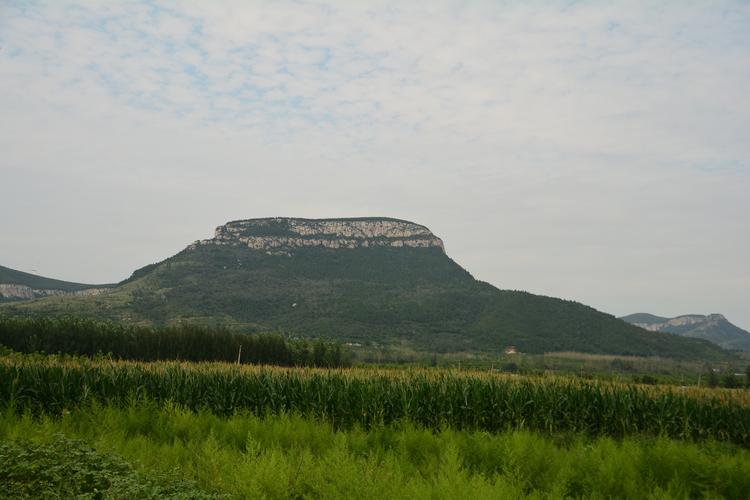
<point x="281" y="235"/>
<point x="379" y="280"/>
<point x="18" y="285"/>
<point x="713" y="327"/>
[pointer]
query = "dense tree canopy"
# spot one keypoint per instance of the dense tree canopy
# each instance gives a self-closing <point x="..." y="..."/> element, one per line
<point x="71" y="335"/>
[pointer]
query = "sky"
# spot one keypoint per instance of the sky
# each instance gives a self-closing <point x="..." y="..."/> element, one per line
<point x="594" y="151"/>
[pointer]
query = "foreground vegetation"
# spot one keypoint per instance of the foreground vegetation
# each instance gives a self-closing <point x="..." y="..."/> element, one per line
<point x="347" y="398"/>
<point x="104" y="428"/>
<point x="171" y="452"/>
<point x="65" y="468"/>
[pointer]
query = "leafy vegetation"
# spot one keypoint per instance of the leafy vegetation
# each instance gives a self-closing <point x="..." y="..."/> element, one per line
<point x="87" y="337"/>
<point x="728" y="379"/>
<point x="383" y="296"/>
<point x="432" y="399"/>
<point x="64" y="468"/>
<point x="101" y="428"/>
<point x="287" y="456"/>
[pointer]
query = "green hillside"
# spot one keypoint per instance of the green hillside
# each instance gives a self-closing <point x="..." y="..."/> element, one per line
<point x="417" y="296"/>
<point x="11" y="276"/>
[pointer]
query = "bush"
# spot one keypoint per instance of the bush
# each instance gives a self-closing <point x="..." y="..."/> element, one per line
<point x="66" y="468"/>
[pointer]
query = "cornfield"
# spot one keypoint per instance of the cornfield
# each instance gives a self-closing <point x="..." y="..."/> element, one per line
<point x="432" y="398"/>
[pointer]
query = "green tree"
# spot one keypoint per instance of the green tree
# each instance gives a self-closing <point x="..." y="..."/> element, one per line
<point x="712" y="379"/>
<point x="730" y="381"/>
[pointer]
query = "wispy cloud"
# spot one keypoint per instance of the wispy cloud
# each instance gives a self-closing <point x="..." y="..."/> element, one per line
<point x="581" y="76"/>
<point x="554" y="126"/>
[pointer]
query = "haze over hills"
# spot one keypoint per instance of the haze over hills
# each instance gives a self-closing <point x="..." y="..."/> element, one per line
<point x="18" y="285"/>
<point x="713" y="327"/>
<point x="374" y="279"/>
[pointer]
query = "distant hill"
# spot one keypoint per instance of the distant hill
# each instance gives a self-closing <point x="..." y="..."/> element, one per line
<point x="18" y="285"/>
<point x="714" y="328"/>
<point x="377" y="280"/>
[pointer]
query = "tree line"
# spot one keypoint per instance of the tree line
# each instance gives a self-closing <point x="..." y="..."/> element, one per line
<point x="87" y="337"/>
<point x="728" y="379"/>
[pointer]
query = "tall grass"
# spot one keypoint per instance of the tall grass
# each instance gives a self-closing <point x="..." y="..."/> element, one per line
<point x="287" y="456"/>
<point x="432" y="399"/>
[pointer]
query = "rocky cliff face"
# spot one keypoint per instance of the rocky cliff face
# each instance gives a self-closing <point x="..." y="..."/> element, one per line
<point x="688" y="321"/>
<point x="18" y="292"/>
<point x="281" y="236"/>
<point x="11" y="291"/>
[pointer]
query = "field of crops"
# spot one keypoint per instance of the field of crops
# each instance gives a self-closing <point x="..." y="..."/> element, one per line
<point x="428" y="398"/>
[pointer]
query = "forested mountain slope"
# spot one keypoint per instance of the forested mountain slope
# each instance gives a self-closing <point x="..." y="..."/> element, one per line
<point x="360" y="280"/>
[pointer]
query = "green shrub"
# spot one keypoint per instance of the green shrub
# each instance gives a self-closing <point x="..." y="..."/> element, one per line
<point x="64" y="468"/>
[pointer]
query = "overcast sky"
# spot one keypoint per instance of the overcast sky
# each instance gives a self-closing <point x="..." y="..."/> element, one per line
<point x="598" y="152"/>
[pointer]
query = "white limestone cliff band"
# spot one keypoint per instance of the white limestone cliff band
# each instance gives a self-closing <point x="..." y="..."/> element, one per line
<point x="23" y="292"/>
<point x="325" y="233"/>
<point x="691" y="319"/>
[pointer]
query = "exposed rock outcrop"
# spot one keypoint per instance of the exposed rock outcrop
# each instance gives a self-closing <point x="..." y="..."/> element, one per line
<point x="18" y="292"/>
<point x="11" y="291"/>
<point x="689" y="320"/>
<point x="713" y="327"/>
<point x="281" y="235"/>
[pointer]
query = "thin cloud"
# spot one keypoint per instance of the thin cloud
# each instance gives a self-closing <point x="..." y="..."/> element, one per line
<point x="553" y="146"/>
